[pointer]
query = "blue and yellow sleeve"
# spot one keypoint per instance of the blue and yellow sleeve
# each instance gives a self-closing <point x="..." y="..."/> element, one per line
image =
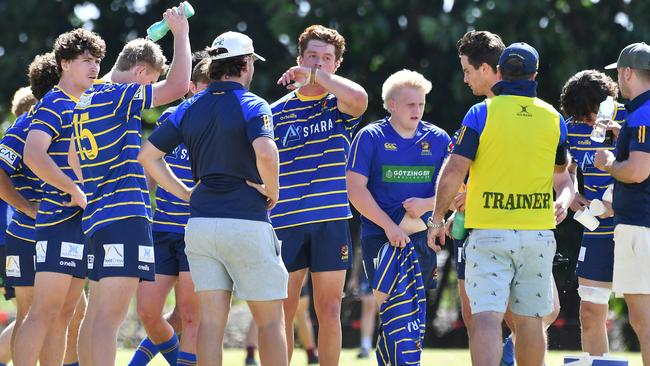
<point x="361" y="153"/>
<point x="638" y="124"/>
<point x="386" y="273"/>
<point x="466" y="143"/>
<point x="47" y="118"/>
<point x="11" y="150"/>
<point x="259" y="118"/>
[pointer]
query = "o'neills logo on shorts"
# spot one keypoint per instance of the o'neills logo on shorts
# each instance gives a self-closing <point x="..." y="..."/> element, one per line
<point x="515" y="201"/>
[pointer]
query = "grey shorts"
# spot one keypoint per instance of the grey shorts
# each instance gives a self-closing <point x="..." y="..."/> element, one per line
<point x="242" y="256"/>
<point x="510" y="267"/>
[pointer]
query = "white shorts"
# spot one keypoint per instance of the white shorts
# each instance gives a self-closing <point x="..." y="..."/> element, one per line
<point x="242" y="256"/>
<point x="631" y="258"/>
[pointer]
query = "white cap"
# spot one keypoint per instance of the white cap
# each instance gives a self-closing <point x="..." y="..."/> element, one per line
<point x="236" y="44"/>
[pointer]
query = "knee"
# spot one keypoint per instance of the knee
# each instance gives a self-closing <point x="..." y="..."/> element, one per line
<point x="148" y="315"/>
<point x="588" y="316"/>
<point x="640" y="324"/>
<point x="330" y="310"/>
<point x="189" y="316"/>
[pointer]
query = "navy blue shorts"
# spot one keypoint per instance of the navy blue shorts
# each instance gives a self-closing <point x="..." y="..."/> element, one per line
<point x="459" y="254"/>
<point x="321" y="247"/>
<point x="20" y="261"/>
<point x="371" y="244"/>
<point x="124" y="249"/>
<point x="9" y="291"/>
<point x="60" y="248"/>
<point x="170" y="253"/>
<point x="596" y="259"/>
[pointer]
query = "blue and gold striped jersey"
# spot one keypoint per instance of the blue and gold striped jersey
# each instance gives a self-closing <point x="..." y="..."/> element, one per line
<point x="313" y="139"/>
<point x="12" y="147"/>
<point x="108" y="136"/>
<point x="172" y="213"/>
<point x="53" y="115"/>
<point x="403" y="314"/>
<point x="595" y="181"/>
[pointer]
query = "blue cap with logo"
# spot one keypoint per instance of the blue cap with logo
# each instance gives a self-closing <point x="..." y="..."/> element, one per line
<point x="525" y="54"/>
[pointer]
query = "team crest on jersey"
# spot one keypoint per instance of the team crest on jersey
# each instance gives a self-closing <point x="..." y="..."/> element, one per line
<point x="389" y="146"/>
<point x="345" y="253"/>
<point x="84" y="101"/>
<point x="113" y="255"/>
<point x="426" y="148"/>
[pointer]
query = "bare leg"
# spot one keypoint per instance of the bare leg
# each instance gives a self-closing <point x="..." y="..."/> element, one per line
<point x="485" y="338"/>
<point x="85" y="340"/>
<point x="269" y="320"/>
<point x="328" y="291"/>
<point x="639" y="310"/>
<point x="296" y="280"/>
<point x="215" y="306"/>
<point x="73" y="332"/>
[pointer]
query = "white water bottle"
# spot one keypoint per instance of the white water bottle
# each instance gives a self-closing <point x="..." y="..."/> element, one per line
<point x="605" y="114"/>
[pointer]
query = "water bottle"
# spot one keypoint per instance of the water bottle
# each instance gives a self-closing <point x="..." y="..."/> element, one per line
<point x="458" y="230"/>
<point x="158" y="29"/>
<point x="605" y="114"/>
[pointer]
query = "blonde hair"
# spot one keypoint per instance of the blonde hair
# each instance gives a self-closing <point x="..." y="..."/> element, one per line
<point x="139" y="51"/>
<point x="403" y="79"/>
<point x="22" y="101"/>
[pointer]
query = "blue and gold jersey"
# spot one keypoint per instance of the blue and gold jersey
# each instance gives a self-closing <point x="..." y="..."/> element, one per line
<point x="12" y="147"/>
<point x="595" y="181"/>
<point x="108" y="136"/>
<point x="313" y="139"/>
<point x="403" y="314"/>
<point x="632" y="200"/>
<point x="53" y="115"/>
<point x="397" y="168"/>
<point x="172" y="213"/>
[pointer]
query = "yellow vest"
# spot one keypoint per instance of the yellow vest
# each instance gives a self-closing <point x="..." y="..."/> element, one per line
<point x="511" y="178"/>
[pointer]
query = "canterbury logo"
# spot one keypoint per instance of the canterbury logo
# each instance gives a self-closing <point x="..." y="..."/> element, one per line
<point x="641" y="133"/>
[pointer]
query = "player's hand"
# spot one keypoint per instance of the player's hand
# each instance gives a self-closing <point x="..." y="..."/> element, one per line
<point x="435" y="236"/>
<point x="77" y="199"/>
<point x="603" y="159"/>
<point x="416" y="207"/>
<point x="176" y="20"/>
<point x="560" y="212"/>
<point x="33" y="210"/>
<point x="295" y="77"/>
<point x="271" y="198"/>
<point x="449" y="224"/>
<point x="609" y="210"/>
<point x="579" y="202"/>
<point x="396" y="236"/>
<point x="615" y="127"/>
<point x="459" y="201"/>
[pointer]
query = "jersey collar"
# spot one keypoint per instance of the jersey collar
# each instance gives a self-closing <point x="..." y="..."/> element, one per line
<point x="637" y="102"/>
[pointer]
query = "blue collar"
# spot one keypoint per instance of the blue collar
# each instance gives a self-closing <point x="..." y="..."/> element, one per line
<point x="224" y="85"/>
<point x="637" y="102"/>
<point x="524" y="88"/>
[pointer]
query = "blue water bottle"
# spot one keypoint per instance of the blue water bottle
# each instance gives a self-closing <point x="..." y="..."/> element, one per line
<point x="158" y="29"/>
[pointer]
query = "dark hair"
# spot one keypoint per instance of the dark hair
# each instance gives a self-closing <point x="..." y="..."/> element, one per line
<point x="43" y="74"/>
<point x="323" y="34"/>
<point x="512" y="70"/>
<point x="481" y="47"/>
<point x="231" y="66"/>
<point x="69" y="45"/>
<point x="583" y="92"/>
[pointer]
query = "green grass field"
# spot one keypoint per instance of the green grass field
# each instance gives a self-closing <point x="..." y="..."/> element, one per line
<point x="451" y="357"/>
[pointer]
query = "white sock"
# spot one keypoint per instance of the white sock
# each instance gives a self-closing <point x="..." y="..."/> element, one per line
<point x="366" y="342"/>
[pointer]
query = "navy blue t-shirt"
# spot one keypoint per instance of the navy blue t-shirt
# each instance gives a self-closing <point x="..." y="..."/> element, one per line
<point x="218" y="126"/>
<point x="632" y="200"/>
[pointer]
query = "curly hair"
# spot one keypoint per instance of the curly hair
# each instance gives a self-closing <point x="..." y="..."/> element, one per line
<point x="583" y="92"/>
<point x="323" y="34"/>
<point x="22" y="101"/>
<point x="231" y="66"/>
<point x="69" y="45"/>
<point x="141" y="50"/>
<point x="481" y="47"/>
<point x="43" y="74"/>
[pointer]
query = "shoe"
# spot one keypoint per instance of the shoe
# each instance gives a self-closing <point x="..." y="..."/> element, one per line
<point x="313" y="360"/>
<point x="250" y="361"/>
<point x="363" y="353"/>
<point x="508" y="356"/>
